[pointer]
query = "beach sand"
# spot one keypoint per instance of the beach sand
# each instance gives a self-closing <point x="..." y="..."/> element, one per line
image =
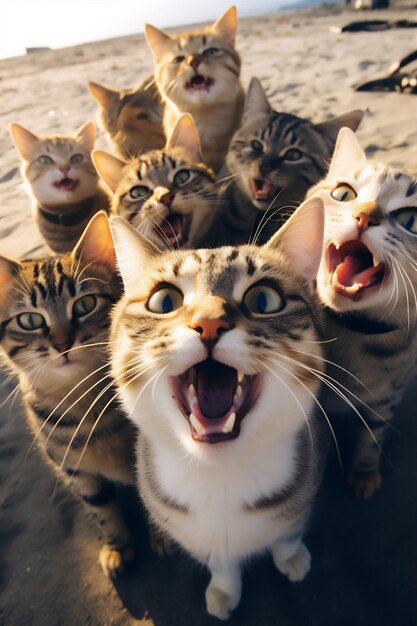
<point x="364" y="553"/>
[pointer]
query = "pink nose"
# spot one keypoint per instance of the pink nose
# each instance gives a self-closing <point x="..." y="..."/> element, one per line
<point x="195" y="62"/>
<point x="209" y="329"/>
<point x="166" y="198"/>
<point x="365" y="220"/>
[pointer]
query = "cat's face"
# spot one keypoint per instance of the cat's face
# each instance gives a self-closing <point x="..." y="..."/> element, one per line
<point x="370" y="243"/>
<point x="198" y="68"/>
<point x="55" y="311"/>
<point x="206" y="343"/>
<point x="58" y="170"/>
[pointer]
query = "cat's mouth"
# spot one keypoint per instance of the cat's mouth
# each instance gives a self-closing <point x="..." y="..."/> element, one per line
<point x="200" y="82"/>
<point x="174" y="229"/>
<point x="353" y="268"/>
<point x="66" y="184"/>
<point x="214" y="398"/>
<point x="262" y="189"/>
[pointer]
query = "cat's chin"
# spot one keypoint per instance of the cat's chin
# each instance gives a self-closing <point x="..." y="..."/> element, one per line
<point x="214" y="398"/>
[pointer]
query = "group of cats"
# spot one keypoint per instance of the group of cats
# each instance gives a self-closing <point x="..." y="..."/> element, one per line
<point x="217" y="355"/>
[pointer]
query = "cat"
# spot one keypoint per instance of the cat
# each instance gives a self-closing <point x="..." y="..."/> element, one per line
<point x="214" y="352"/>
<point x="367" y="282"/>
<point x="54" y="324"/>
<point x="132" y="118"/>
<point x="169" y="194"/>
<point x="60" y="177"/>
<point x="198" y="73"/>
<point x="273" y="159"/>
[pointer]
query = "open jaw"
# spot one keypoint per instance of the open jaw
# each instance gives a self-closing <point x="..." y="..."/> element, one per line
<point x="199" y="83"/>
<point x="262" y="190"/>
<point x="66" y="184"/>
<point x="353" y="269"/>
<point x="214" y="398"/>
<point x="174" y="228"/>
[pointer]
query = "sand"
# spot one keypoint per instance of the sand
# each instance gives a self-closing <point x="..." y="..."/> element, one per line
<point x="364" y="554"/>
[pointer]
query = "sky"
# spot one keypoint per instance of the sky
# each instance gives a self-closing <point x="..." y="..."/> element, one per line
<point x="61" y="23"/>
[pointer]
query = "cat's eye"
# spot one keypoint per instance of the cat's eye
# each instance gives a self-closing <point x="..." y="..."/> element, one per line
<point x="343" y="193"/>
<point x="77" y="158"/>
<point x="263" y="300"/>
<point x="182" y="177"/>
<point x="31" y="321"/>
<point x="84" y="305"/>
<point x="141" y="116"/>
<point x="256" y="145"/>
<point x="179" y="59"/>
<point x="140" y="191"/>
<point x="293" y="155"/>
<point x="211" y="52"/>
<point x="44" y="159"/>
<point x="165" y="300"/>
<point x="407" y="218"/>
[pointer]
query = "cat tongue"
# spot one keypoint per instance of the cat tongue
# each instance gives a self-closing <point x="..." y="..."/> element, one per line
<point x="216" y="386"/>
<point x="261" y="189"/>
<point x="356" y="271"/>
<point x="171" y="227"/>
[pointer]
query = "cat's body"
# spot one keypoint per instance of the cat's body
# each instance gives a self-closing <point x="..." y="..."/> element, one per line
<point x="60" y="177"/>
<point x="55" y="323"/>
<point x="367" y="282"/>
<point x="132" y="118"/>
<point x="229" y="453"/>
<point x="198" y="73"/>
<point x="273" y="159"/>
<point x="169" y="195"/>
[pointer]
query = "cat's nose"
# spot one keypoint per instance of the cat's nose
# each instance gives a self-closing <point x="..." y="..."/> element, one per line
<point x="210" y="329"/>
<point x="194" y="61"/>
<point x="365" y="220"/>
<point x="62" y="347"/>
<point x="165" y="196"/>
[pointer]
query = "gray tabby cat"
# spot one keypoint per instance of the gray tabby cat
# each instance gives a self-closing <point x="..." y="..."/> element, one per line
<point x="217" y="358"/>
<point x="368" y="283"/>
<point x="54" y="320"/>
<point x="273" y="159"/>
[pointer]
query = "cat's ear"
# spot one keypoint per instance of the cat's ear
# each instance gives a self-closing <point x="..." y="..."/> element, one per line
<point x="159" y="42"/>
<point x="301" y="238"/>
<point x="256" y="100"/>
<point x="350" y="120"/>
<point x="347" y="153"/>
<point x="185" y="135"/>
<point x="105" y="96"/>
<point x="109" y="168"/>
<point x="96" y="243"/>
<point x="24" y="140"/>
<point x="8" y="271"/>
<point x="133" y="251"/>
<point x="87" y="135"/>
<point x="226" y="26"/>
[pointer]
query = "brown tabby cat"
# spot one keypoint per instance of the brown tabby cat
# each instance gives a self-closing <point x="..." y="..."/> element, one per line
<point x="62" y="180"/>
<point x="169" y="195"/>
<point x="198" y="72"/>
<point x="54" y="319"/>
<point x="132" y="118"/>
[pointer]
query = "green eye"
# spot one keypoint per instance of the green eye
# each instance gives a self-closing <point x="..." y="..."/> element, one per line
<point x="84" y="305"/>
<point x="140" y="191"/>
<point x="211" y="52"/>
<point x="179" y="59"/>
<point x="165" y="300"/>
<point x="343" y="193"/>
<point x="45" y="160"/>
<point x="407" y="218"/>
<point x="256" y="146"/>
<point x="31" y="321"/>
<point x="182" y="177"/>
<point x="77" y="158"/>
<point x="293" y="155"/>
<point x="263" y="300"/>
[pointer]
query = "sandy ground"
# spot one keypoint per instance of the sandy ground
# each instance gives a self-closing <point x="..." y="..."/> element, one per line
<point x="364" y="554"/>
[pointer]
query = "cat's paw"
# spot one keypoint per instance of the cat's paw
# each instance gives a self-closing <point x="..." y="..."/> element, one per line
<point x="161" y="544"/>
<point x="296" y="566"/>
<point x="364" y="484"/>
<point x="113" y="561"/>
<point x="219" y="603"/>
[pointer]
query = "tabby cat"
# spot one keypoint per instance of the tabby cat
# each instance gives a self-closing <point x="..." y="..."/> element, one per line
<point x="274" y="158"/>
<point x="169" y="194"/>
<point x="60" y="177"/>
<point x="217" y="359"/>
<point x="54" y="316"/>
<point x="132" y="118"/>
<point x="368" y="282"/>
<point x="198" y="73"/>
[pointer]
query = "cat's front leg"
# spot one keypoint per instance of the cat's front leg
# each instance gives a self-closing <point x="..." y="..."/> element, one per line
<point x="292" y="558"/>
<point x="224" y="590"/>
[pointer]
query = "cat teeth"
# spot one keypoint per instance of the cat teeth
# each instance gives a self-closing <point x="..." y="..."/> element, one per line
<point x="238" y="395"/>
<point x="240" y="376"/>
<point x="376" y="261"/>
<point x="228" y="427"/>
<point x="199" y="428"/>
<point x="192" y="392"/>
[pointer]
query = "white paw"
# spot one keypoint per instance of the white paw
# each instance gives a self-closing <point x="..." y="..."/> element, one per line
<point x="219" y="603"/>
<point x="297" y="566"/>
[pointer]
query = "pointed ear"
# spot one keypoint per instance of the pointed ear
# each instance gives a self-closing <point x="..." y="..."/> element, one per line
<point x="133" y="251"/>
<point x="350" y="120"/>
<point x="8" y="272"/>
<point x="347" y="152"/>
<point x="301" y="238"/>
<point x="109" y="168"/>
<point x="185" y="135"/>
<point x="226" y="26"/>
<point x="87" y="135"/>
<point x="256" y="100"/>
<point x="103" y="95"/>
<point x="96" y="243"/>
<point x="159" y="42"/>
<point x="23" y="139"/>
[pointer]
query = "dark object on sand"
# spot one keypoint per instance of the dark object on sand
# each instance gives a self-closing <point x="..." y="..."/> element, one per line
<point x="403" y="82"/>
<point x="40" y="49"/>
<point x="372" y="26"/>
